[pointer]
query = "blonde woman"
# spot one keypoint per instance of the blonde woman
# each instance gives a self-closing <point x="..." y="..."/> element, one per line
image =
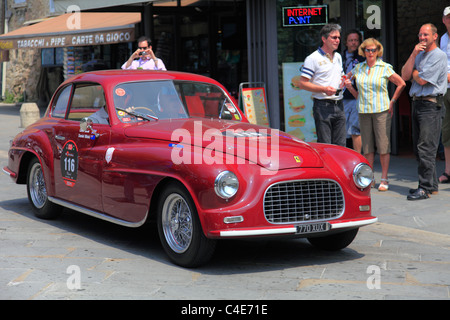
<point x="374" y="106"/>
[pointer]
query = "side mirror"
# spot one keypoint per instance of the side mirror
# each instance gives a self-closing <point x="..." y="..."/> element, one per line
<point x="86" y="124"/>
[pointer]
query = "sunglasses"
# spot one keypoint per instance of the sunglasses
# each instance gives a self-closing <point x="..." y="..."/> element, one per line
<point x="371" y="50"/>
<point x="335" y="37"/>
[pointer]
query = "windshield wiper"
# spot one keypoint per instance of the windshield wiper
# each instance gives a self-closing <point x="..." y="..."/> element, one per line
<point x="138" y="114"/>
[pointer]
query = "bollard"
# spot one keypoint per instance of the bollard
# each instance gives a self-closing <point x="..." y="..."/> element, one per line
<point x="29" y="114"/>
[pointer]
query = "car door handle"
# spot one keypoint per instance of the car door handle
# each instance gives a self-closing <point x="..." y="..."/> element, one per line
<point x="57" y="137"/>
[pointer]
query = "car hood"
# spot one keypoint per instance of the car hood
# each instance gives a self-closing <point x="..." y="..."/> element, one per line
<point x="270" y="148"/>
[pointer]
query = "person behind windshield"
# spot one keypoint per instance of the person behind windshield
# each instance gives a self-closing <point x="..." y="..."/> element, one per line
<point x="100" y="117"/>
<point x="169" y="105"/>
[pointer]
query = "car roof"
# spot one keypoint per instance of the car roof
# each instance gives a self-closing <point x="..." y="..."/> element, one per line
<point x="113" y="77"/>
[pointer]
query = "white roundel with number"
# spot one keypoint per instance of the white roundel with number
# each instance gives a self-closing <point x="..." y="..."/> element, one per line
<point x="69" y="163"/>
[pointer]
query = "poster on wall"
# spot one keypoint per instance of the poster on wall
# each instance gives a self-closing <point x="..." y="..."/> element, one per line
<point x="255" y="106"/>
<point x="298" y="105"/>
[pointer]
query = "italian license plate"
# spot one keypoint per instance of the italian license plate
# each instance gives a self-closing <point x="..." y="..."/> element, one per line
<point x="313" y="227"/>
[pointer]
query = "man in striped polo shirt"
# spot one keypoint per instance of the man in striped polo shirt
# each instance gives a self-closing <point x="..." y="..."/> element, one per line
<point x="322" y="74"/>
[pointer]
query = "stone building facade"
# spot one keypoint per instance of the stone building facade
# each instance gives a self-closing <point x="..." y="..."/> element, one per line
<point x="23" y="71"/>
<point x="24" y="66"/>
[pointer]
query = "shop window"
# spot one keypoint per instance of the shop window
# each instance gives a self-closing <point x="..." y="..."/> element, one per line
<point x="52" y="57"/>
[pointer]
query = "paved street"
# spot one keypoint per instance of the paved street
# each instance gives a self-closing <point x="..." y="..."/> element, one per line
<point x="406" y="255"/>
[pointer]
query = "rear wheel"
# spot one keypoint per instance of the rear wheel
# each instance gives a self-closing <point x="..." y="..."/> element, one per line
<point x="37" y="192"/>
<point x="334" y="242"/>
<point x="180" y="230"/>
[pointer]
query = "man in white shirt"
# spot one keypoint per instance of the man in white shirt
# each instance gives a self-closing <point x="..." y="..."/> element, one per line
<point x="445" y="46"/>
<point x="322" y="74"/>
<point x="143" y="57"/>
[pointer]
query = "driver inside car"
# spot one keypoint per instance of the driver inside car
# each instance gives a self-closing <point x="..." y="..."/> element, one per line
<point x="123" y="99"/>
<point x="100" y="117"/>
<point x="167" y="105"/>
<point x="170" y="106"/>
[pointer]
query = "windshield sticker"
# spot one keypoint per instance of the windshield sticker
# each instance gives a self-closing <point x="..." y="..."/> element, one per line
<point x="120" y="92"/>
<point x="230" y="108"/>
<point x="69" y="163"/>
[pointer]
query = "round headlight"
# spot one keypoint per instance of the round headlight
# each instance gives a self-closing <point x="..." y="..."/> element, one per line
<point x="226" y="184"/>
<point x="362" y="175"/>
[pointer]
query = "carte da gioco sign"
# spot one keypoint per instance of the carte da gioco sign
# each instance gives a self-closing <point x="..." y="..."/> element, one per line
<point x="70" y="40"/>
<point x="305" y="16"/>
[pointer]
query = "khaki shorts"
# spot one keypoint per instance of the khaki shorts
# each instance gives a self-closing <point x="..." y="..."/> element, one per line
<point x="446" y="121"/>
<point x="375" y="129"/>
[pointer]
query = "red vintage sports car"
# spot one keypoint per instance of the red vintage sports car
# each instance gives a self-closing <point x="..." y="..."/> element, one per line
<point x="130" y="146"/>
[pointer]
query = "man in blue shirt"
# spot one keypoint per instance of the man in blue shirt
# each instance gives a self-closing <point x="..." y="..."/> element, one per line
<point x="427" y="70"/>
<point x="350" y="58"/>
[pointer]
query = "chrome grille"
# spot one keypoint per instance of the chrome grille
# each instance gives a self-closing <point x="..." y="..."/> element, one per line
<point x="302" y="201"/>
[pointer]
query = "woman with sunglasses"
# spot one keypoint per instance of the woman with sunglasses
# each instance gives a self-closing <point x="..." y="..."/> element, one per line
<point x="374" y="106"/>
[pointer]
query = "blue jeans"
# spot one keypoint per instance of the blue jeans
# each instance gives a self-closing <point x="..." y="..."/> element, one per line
<point x="329" y="118"/>
<point x="426" y="130"/>
<point x="352" y="117"/>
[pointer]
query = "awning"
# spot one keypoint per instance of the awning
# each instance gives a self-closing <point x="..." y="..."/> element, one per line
<point x="74" y="29"/>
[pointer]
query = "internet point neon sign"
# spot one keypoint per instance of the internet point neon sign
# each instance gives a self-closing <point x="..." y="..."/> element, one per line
<point x="305" y="16"/>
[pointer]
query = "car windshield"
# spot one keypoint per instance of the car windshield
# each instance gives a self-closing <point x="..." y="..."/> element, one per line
<point x="160" y="100"/>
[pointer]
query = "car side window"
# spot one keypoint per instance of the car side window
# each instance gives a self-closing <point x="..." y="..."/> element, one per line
<point x="89" y="101"/>
<point x="206" y="101"/>
<point x="60" y="106"/>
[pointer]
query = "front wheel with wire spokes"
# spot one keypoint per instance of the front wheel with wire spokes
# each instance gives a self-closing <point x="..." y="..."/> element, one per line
<point x="37" y="192"/>
<point x="180" y="229"/>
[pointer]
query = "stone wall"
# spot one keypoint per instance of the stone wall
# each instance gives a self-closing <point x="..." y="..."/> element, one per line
<point x="23" y="69"/>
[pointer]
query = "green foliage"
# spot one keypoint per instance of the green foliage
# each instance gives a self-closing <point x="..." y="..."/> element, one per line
<point x="11" y="98"/>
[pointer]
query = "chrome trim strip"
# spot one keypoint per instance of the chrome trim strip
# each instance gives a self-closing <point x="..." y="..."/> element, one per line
<point x="292" y="230"/>
<point x="97" y="214"/>
<point x="257" y="232"/>
<point x="352" y="224"/>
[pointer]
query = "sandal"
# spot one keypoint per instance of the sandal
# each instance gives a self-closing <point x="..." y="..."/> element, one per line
<point x="446" y="177"/>
<point x="384" y="185"/>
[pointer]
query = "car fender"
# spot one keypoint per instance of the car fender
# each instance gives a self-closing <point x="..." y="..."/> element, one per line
<point x="34" y="142"/>
<point x="342" y="162"/>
